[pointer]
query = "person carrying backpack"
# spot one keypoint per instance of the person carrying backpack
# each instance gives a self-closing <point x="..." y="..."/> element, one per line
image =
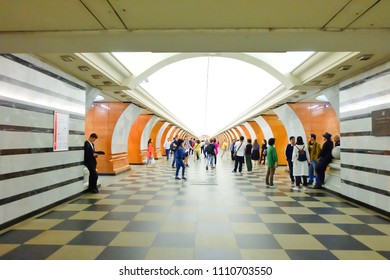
<point x="210" y="152"/>
<point x="301" y="162"/>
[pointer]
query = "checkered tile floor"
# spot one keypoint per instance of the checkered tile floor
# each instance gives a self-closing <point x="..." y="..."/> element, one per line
<point x="215" y="214"/>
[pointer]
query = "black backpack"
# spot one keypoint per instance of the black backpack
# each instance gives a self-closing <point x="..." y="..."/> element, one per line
<point x="302" y="154"/>
<point x="210" y="149"/>
<point x="173" y="148"/>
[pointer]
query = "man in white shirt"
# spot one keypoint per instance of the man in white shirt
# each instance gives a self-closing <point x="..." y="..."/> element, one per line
<point x="167" y="147"/>
<point x="239" y="149"/>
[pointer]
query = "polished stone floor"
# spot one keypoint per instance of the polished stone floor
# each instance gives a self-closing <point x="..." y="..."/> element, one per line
<point x="216" y="214"/>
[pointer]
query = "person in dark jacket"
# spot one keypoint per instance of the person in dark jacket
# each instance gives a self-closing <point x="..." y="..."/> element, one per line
<point x="179" y="159"/>
<point x="324" y="158"/>
<point x="288" y="153"/>
<point x="90" y="162"/>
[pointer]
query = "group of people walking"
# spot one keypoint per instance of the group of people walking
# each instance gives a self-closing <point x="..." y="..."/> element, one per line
<point x="306" y="162"/>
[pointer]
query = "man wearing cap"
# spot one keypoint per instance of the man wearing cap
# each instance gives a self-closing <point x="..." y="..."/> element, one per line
<point x="324" y="158"/>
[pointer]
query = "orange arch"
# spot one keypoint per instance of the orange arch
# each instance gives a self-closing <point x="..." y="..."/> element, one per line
<point x="163" y="138"/>
<point x="280" y="135"/>
<point x="134" y="140"/>
<point x="153" y="136"/>
<point x="246" y="131"/>
<point x="317" y="118"/>
<point x="102" y="121"/>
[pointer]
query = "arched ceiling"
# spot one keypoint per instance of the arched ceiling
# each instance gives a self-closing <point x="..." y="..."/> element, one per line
<point x="339" y="32"/>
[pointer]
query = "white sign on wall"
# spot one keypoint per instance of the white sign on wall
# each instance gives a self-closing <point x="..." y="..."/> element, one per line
<point x="61" y="132"/>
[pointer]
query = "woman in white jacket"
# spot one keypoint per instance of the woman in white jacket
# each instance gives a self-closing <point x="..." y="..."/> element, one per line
<point x="301" y="162"/>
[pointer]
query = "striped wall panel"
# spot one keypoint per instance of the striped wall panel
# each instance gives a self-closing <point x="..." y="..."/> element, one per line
<point x="32" y="175"/>
<point x="365" y="159"/>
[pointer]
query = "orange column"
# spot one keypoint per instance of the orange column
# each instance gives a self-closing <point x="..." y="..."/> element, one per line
<point x="135" y="155"/>
<point x="258" y="131"/>
<point x="164" y="138"/>
<point x="280" y="135"/>
<point x="153" y="135"/>
<point x="246" y="131"/>
<point x="317" y="118"/>
<point x="102" y="121"/>
<point x="237" y="132"/>
<point x="174" y="133"/>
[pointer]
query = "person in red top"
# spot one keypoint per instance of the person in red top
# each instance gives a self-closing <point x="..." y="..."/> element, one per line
<point x="149" y="153"/>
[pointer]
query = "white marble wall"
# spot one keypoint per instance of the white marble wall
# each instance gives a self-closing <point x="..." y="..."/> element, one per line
<point x="251" y="131"/>
<point x="159" y="135"/>
<point x="122" y="129"/>
<point x="365" y="160"/>
<point x="146" y="133"/>
<point x="32" y="176"/>
<point x="169" y="134"/>
<point x="291" y="121"/>
<point x="267" y="131"/>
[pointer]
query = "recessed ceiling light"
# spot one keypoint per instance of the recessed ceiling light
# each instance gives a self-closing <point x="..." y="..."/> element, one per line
<point x="99" y="98"/>
<point x="67" y="58"/>
<point x="365" y="57"/>
<point x="344" y="67"/>
<point x="97" y="77"/>
<point x="329" y="75"/>
<point x="322" y="98"/>
<point x="83" y="68"/>
<point x="117" y="92"/>
<point x="315" y="82"/>
<point x="303" y="92"/>
<point x="107" y="83"/>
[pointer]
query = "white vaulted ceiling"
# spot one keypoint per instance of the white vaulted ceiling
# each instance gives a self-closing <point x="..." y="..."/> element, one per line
<point x="337" y="32"/>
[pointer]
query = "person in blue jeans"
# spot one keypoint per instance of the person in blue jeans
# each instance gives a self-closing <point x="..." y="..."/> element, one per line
<point x="179" y="159"/>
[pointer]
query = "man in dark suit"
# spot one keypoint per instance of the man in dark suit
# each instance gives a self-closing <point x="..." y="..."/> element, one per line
<point x="324" y="158"/>
<point x="90" y="162"/>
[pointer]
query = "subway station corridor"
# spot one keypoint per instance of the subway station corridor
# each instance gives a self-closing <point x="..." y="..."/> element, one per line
<point x="216" y="214"/>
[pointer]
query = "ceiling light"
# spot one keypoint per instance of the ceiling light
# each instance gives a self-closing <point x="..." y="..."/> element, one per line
<point x="322" y="98"/>
<point x="97" y="77"/>
<point x="315" y="82"/>
<point x="123" y="95"/>
<point x="303" y="92"/>
<point x="67" y="58"/>
<point x="344" y="67"/>
<point x="83" y="68"/>
<point x="365" y="57"/>
<point x="99" y="98"/>
<point x="329" y="75"/>
<point x="107" y="83"/>
<point x="117" y="92"/>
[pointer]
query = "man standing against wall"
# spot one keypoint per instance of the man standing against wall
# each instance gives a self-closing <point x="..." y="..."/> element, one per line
<point x="90" y="162"/>
<point x="314" y="151"/>
<point x="288" y="153"/>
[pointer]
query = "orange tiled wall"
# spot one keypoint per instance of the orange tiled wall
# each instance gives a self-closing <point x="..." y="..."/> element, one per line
<point x="134" y="152"/>
<point x="153" y="136"/>
<point x="317" y="118"/>
<point x="101" y="121"/>
<point x="280" y="135"/>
